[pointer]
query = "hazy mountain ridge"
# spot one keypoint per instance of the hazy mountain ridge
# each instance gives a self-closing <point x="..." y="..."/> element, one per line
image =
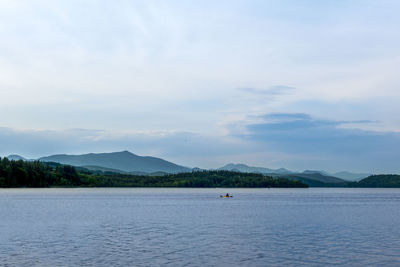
<point x="124" y="161"/>
<point x="310" y="177"/>
<point x="343" y="175"/>
<point x="315" y="171"/>
<point x="245" y="168"/>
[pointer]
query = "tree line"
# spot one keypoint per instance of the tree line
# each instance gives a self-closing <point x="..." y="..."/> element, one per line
<point x="378" y="181"/>
<point x="38" y="174"/>
<point x="190" y="179"/>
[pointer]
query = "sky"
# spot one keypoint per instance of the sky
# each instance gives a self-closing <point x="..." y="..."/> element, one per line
<point x="300" y="84"/>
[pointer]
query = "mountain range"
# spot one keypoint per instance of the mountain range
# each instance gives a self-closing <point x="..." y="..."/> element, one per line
<point x="282" y="171"/>
<point x="129" y="163"/>
<point x="245" y="168"/>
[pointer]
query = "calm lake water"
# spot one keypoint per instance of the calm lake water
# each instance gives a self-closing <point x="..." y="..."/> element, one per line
<point x="195" y="227"/>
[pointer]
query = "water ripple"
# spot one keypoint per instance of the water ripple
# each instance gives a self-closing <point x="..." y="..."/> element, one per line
<point x="170" y="227"/>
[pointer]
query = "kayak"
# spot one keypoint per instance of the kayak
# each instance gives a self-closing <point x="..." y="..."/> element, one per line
<point x="225" y="196"/>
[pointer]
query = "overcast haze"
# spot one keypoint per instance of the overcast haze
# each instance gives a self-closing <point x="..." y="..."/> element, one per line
<point x="296" y="84"/>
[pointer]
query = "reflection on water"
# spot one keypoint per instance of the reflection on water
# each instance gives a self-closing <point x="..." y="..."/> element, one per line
<point x="195" y="227"/>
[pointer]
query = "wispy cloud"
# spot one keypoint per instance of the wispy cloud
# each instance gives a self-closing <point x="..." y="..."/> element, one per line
<point x="286" y="116"/>
<point x="304" y="118"/>
<point x="272" y="90"/>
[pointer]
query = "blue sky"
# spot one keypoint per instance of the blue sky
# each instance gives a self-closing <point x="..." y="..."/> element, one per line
<point x="296" y="84"/>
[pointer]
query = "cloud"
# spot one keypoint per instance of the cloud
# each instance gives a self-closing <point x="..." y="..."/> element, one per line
<point x="272" y="90"/>
<point x="325" y="143"/>
<point x="300" y="120"/>
<point x="293" y="127"/>
<point x="287" y="116"/>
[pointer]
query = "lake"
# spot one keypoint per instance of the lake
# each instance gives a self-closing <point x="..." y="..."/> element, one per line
<point x="195" y="227"/>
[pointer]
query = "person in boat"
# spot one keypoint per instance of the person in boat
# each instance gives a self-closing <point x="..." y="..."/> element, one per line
<point x="227" y="195"/>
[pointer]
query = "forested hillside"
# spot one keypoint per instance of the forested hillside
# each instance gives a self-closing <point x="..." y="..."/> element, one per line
<point x="36" y="174"/>
<point x="382" y="180"/>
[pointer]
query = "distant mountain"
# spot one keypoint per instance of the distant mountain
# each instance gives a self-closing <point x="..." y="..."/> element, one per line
<point x="249" y="169"/>
<point x="124" y="161"/>
<point x="316" y="179"/>
<point x="310" y="177"/>
<point x="16" y="157"/>
<point x="320" y="172"/>
<point x="351" y="176"/>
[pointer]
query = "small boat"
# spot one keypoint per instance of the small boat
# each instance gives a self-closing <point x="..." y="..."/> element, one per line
<point x="226" y="196"/>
